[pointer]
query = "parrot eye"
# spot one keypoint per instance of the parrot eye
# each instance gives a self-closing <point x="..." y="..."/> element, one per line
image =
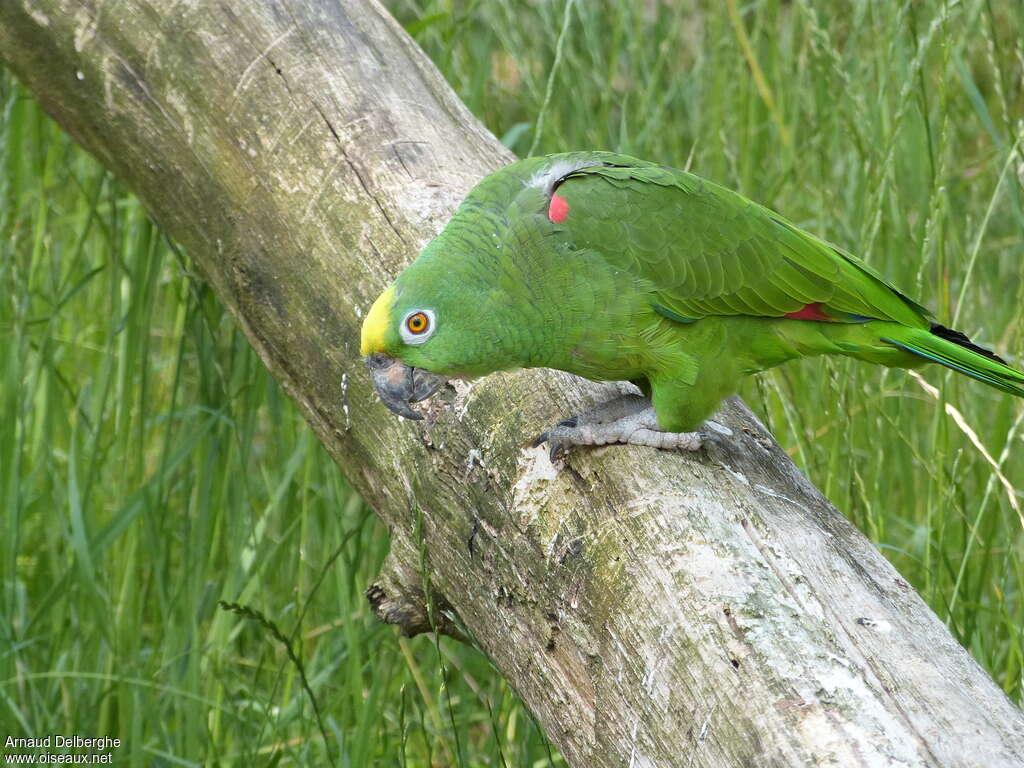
<point x="417" y="326"/>
<point x="417" y="323"/>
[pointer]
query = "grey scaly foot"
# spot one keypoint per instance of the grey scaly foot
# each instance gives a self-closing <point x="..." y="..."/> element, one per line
<point x="628" y="419"/>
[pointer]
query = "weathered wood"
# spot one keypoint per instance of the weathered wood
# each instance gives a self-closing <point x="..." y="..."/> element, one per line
<point x="652" y="609"/>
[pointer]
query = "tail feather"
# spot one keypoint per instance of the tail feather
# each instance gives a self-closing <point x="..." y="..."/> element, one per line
<point x="954" y="350"/>
<point x="960" y="339"/>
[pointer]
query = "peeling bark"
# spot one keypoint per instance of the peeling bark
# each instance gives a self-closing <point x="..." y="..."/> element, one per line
<point x="652" y="609"/>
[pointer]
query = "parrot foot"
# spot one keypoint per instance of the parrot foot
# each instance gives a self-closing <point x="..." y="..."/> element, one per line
<point x="629" y="419"/>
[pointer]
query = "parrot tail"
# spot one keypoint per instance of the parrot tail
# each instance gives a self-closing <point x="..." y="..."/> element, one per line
<point x="954" y="350"/>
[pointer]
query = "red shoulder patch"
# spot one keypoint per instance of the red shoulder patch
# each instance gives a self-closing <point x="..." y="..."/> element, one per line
<point x="809" y="312"/>
<point x="558" y="210"/>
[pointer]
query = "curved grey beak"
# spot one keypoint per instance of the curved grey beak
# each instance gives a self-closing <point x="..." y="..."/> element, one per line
<point x="398" y="384"/>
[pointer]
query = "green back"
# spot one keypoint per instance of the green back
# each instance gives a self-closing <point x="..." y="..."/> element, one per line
<point x="708" y="251"/>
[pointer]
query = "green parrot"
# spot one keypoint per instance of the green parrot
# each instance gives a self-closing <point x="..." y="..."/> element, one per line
<point x="614" y="268"/>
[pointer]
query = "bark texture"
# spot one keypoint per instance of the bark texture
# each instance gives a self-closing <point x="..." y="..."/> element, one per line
<point x="652" y="609"/>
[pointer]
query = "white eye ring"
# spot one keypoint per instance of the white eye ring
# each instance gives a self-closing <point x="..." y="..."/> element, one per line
<point x="411" y="337"/>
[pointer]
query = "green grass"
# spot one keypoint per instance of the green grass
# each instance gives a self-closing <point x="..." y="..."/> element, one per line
<point x="149" y="467"/>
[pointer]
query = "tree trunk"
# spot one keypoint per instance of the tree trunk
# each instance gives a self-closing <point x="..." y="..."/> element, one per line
<point x="652" y="609"/>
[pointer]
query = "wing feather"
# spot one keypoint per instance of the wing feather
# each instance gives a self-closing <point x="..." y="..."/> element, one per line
<point x="709" y="251"/>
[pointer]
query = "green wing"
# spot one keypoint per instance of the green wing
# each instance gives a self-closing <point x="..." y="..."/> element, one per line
<point x="710" y="251"/>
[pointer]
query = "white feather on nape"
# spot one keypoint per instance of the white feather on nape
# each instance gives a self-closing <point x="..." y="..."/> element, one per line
<point x="546" y="178"/>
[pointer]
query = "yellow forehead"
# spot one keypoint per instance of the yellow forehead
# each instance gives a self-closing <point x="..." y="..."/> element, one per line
<point x="376" y="323"/>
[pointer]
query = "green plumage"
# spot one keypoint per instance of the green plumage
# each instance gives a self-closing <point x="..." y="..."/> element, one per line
<point x="615" y="268"/>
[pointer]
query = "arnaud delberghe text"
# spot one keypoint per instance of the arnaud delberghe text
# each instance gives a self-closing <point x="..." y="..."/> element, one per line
<point x="56" y="741"/>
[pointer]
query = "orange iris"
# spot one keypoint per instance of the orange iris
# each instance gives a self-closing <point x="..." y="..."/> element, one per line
<point x="417" y="323"/>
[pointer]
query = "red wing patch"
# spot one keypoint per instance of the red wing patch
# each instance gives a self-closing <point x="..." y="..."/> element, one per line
<point x="809" y="312"/>
<point x="558" y="210"/>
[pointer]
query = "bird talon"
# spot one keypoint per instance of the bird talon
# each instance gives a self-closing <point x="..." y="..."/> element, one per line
<point x="559" y="442"/>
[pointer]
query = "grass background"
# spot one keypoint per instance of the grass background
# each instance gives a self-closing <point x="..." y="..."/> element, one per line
<point x="149" y="466"/>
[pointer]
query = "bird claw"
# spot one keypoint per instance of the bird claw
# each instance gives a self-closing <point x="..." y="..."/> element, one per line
<point x="638" y="429"/>
<point x="558" y="451"/>
<point x="558" y="448"/>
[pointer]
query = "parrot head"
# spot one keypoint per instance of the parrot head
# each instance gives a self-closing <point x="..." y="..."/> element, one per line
<point x="396" y="327"/>
<point x="479" y="298"/>
<point x="440" y="319"/>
